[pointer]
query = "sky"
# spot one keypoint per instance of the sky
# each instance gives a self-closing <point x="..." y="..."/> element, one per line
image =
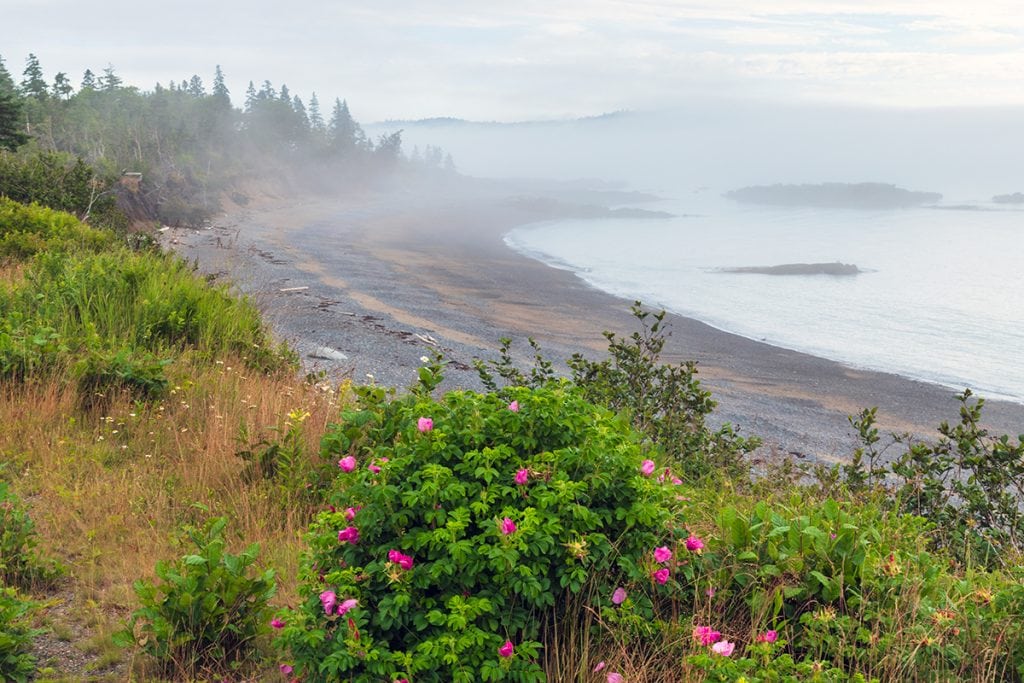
<point x="541" y="59"/>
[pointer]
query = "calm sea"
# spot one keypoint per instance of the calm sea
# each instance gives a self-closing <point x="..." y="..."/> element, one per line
<point x="941" y="298"/>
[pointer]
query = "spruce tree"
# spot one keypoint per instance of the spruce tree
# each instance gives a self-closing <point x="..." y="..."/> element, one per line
<point x="11" y="135"/>
<point x="220" y="89"/>
<point x="88" y="80"/>
<point x="316" y="119"/>
<point x="250" y="97"/>
<point x="109" y="81"/>
<point x="62" y="88"/>
<point x="33" y="84"/>
<point x="195" y="86"/>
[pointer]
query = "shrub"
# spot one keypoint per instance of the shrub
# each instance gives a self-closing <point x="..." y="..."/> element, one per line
<point x="207" y="613"/>
<point x="968" y="482"/>
<point x="102" y="373"/>
<point x="20" y="562"/>
<point x="28" y="230"/>
<point x="458" y="528"/>
<point x="665" y="403"/>
<point x="16" y="661"/>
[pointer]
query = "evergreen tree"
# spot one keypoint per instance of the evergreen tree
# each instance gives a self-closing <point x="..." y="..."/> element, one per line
<point x="62" y="88"/>
<point x="220" y="89"/>
<point x="267" y="92"/>
<point x="250" y="97"/>
<point x="33" y="84"/>
<point x="109" y="81"/>
<point x="316" y="119"/>
<point x="195" y="86"/>
<point x="389" y="148"/>
<point x="300" y="113"/>
<point x="344" y="133"/>
<point x="285" y="95"/>
<point x="88" y="80"/>
<point x="11" y="135"/>
<point x="6" y="82"/>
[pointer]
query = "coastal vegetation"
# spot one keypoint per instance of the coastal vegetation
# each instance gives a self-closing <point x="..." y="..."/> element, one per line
<point x="178" y="503"/>
<point x="834" y="196"/>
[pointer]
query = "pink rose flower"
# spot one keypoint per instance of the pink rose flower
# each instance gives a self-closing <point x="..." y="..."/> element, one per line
<point x="350" y="513"/>
<point x="349" y="534"/>
<point x="347" y="464"/>
<point x="694" y="544"/>
<point x="661" y="576"/>
<point x="424" y="424"/>
<point x="705" y="635"/>
<point x="514" y="406"/>
<point x="614" y="677"/>
<point x="662" y="555"/>
<point x="768" y="637"/>
<point x="276" y="623"/>
<point x="508" y="526"/>
<point x="373" y="468"/>
<point x="522" y="476"/>
<point x="507" y="649"/>
<point x="286" y="669"/>
<point x="329" y="600"/>
<point x="647" y="468"/>
<point x="402" y="560"/>
<point x="346" y="605"/>
<point x="600" y="665"/>
<point x="619" y="596"/>
<point x="723" y="647"/>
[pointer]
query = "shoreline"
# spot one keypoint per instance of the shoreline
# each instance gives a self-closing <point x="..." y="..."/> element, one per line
<point x="380" y="278"/>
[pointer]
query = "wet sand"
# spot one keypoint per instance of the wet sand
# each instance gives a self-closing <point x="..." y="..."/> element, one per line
<point x="384" y="279"/>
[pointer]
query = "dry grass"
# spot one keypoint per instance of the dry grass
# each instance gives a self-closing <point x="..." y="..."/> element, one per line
<point x="110" y="491"/>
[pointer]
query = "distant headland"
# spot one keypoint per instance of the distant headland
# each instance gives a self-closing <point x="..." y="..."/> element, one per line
<point x="834" y="268"/>
<point x="834" y="196"/>
<point x="1015" y="198"/>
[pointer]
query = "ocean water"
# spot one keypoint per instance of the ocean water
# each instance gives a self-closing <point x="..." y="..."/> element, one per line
<point x="941" y="298"/>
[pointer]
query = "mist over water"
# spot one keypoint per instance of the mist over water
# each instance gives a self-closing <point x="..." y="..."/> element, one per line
<point x="942" y="298"/>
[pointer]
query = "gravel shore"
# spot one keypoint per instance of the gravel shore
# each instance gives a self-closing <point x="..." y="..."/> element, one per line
<point x="364" y="286"/>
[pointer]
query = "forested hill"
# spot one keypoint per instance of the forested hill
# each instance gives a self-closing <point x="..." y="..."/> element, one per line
<point x="187" y="141"/>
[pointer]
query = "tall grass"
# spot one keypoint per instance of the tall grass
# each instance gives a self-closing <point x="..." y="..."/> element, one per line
<point x="130" y="387"/>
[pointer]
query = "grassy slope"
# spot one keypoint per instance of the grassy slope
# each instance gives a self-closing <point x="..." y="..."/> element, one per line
<point x="111" y="480"/>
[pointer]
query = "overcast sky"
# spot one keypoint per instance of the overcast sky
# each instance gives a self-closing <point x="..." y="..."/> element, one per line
<point x="530" y="59"/>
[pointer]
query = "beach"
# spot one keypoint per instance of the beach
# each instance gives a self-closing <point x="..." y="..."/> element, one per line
<point x="364" y="286"/>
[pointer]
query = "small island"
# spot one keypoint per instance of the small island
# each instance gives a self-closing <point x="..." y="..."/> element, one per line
<point x="834" y="196"/>
<point x="1015" y="198"/>
<point x="835" y="268"/>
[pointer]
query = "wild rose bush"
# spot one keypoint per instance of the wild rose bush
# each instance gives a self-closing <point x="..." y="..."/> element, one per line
<point x="457" y="527"/>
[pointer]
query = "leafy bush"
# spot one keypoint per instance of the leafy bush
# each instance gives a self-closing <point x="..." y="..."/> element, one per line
<point x="20" y="562"/>
<point x="28" y="230"/>
<point x="206" y="615"/>
<point x="458" y="528"/>
<point x="665" y="403"/>
<point x="102" y="373"/>
<point x="16" y="661"/>
<point x="853" y="588"/>
<point x="968" y="482"/>
<point x="62" y="182"/>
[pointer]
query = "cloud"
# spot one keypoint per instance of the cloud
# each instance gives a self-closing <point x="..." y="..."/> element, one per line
<point x="534" y="58"/>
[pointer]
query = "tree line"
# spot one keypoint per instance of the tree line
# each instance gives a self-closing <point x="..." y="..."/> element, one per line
<point x="188" y="141"/>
